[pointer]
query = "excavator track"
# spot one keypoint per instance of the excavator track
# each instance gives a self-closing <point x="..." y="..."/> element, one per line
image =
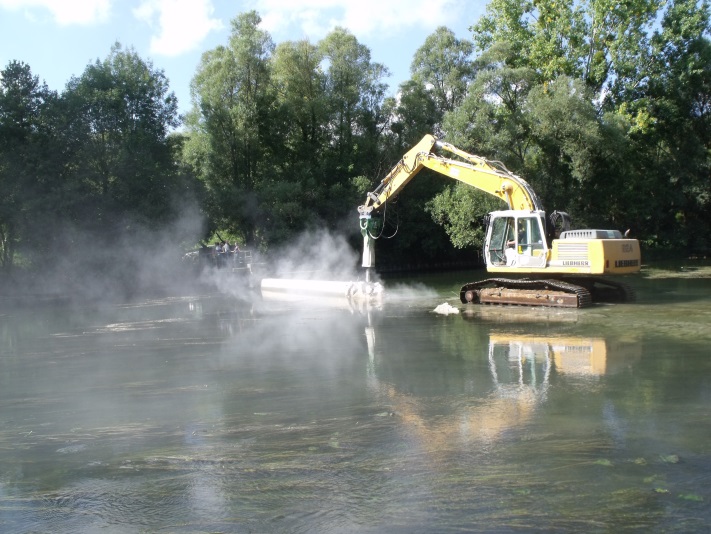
<point x="604" y="290"/>
<point x="525" y="292"/>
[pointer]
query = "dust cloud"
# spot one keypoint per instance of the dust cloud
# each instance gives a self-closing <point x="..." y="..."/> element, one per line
<point x="138" y="261"/>
<point x="133" y="260"/>
<point x="317" y="255"/>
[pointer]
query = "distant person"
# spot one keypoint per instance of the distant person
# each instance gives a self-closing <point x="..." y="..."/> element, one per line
<point x="218" y="254"/>
<point x="235" y="253"/>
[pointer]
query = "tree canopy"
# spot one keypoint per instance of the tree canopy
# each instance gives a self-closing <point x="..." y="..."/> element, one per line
<point x="89" y="174"/>
<point x="604" y="107"/>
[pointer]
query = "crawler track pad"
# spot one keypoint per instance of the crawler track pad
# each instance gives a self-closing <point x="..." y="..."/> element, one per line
<point x="551" y="293"/>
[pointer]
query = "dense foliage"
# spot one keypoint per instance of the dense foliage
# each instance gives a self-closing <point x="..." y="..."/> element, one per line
<point x="604" y="107"/>
<point x="91" y="175"/>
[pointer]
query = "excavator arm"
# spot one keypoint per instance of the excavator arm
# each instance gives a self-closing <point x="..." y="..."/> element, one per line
<point x="488" y="176"/>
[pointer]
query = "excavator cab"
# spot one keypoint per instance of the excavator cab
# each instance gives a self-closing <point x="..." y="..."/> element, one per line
<point x="516" y="239"/>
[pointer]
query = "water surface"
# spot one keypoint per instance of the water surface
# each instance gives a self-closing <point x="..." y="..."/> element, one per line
<point x="214" y="413"/>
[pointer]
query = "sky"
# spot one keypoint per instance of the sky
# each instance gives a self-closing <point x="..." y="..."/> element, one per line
<point x="59" y="38"/>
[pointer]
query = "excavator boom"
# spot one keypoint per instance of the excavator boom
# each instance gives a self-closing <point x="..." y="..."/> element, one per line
<point x="488" y="176"/>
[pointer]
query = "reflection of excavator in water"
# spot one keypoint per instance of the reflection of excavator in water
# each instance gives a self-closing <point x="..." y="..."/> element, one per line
<point x="568" y="270"/>
<point x="522" y="370"/>
<point x="569" y="355"/>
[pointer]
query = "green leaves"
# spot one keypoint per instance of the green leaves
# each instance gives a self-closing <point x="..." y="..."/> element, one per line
<point x="594" y="100"/>
<point x="284" y="129"/>
<point x="25" y="133"/>
<point x="602" y="106"/>
<point x="460" y="210"/>
<point x="444" y="65"/>
<point x="119" y="114"/>
<point x="93" y="162"/>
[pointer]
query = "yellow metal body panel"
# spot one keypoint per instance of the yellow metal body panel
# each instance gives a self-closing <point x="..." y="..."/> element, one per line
<point x="585" y="256"/>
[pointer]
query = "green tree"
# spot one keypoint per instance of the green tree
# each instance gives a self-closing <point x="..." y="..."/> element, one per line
<point x="492" y="120"/>
<point x="602" y="42"/>
<point x="229" y="125"/>
<point x="617" y="43"/>
<point x="298" y="130"/>
<point x="566" y="143"/>
<point x="329" y="115"/>
<point x="413" y="114"/>
<point x="25" y="139"/>
<point x="355" y="93"/>
<point x="443" y="64"/>
<point x="301" y="99"/>
<point x="441" y="73"/>
<point x="277" y="134"/>
<point x="669" y="121"/>
<point x="119" y="114"/>
<point x="574" y="96"/>
<point x="460" y="210"/>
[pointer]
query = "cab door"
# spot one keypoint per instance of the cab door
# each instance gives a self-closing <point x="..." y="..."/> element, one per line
<point x="516" y="240"/>
<point x="531" y="246"/>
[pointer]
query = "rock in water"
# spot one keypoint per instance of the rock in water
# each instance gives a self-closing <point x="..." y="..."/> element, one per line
<point x="445" y="309"/>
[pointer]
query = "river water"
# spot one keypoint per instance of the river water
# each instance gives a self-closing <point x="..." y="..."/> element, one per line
<point x="216" y="413"/>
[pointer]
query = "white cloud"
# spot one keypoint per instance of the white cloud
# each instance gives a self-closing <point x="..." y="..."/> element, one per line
<point x="179" y="25"/>
<point x="364" y="18"/>
<point x="65" y="12"/>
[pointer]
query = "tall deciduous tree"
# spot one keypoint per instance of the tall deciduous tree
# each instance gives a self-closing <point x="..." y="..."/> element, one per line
<point x="443" y="64"/>
<point x="229" y="124"/>
<point x="355" y="93"/>
<point x="278" y="134"/>
<point x="493" y="121"/>
<point x="594" y="103"/>
<point x="413" y="114"/>
<point x="300" y="85"/>
<point x="119" y="114"/>
<point x="603" y="42"/>
<point x="25" y="132"/>
<point x="441" y="72"/>
<point x="294" y="176"/>
<point x="670" y="129"/>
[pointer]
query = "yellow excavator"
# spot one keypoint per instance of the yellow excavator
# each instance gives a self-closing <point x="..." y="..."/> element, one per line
<point x="545" y="263"/>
